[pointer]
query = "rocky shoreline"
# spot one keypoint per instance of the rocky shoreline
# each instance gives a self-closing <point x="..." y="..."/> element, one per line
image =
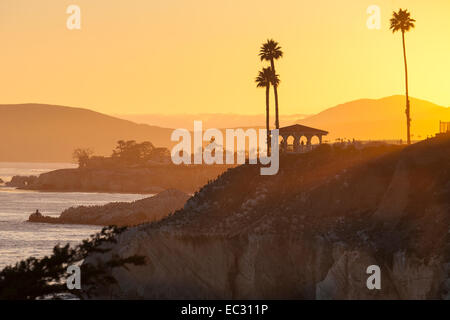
<point x="120" y="213"/>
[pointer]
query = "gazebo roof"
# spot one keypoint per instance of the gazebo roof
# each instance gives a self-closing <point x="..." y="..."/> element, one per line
<point x="300" y="129"/>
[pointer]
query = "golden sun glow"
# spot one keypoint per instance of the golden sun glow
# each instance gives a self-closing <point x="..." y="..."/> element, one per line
<point x="201" y="56"/>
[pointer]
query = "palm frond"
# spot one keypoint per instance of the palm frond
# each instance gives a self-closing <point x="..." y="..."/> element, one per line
<point x="270" y="50"/>
<point x="266" y="77"/>
<point x="401" y="21"/>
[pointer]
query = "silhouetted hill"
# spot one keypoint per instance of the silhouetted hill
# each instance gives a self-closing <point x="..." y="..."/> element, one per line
<point x="38" y="132"/>
<point x="309" y="232"/>
<point x="380" y="119"/>
<point x="150" y="179"/>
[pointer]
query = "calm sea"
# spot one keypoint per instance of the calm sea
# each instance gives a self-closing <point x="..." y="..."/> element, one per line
<point x="20" y="239"/>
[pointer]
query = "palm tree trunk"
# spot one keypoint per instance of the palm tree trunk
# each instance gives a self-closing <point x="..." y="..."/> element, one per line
<point x="275" y="91"/>
<point x="408" y="111"/>
<point x="267" y="118"/>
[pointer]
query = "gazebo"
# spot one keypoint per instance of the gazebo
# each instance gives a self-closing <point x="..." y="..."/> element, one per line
<point x="297" y="131"/>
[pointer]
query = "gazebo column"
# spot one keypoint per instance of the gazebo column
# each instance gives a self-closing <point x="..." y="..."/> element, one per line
<point x="284" y="143"/>
<point x="308" y="142"/>
<point x="320" y="138"/>
<point x="296" y="143"/>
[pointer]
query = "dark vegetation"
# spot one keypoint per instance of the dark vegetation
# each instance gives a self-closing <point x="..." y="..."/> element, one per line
<point x="126" y="154"/>
<point x="34" y="278"/>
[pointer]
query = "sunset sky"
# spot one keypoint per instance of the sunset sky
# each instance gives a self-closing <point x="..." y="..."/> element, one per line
<point x="200" y="56"/>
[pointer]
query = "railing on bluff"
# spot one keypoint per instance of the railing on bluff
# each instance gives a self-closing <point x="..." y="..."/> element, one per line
<point x="444" y="127"/>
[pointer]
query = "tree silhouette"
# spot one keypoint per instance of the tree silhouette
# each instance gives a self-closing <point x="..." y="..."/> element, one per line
<point x="402" y="21"/>
<point x="81" y="156"/>
<point x="130" y="152"/>
<point x="271" y="51"/>
<point x="265" y="79"/>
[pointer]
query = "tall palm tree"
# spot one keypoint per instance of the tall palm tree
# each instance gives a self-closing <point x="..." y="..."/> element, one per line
<point x="271" y="51"/>
<point x="265" y="79"/>
<point x="402" y="21"/>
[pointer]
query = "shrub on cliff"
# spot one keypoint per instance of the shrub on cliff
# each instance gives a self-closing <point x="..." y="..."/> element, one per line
<point x="46" y="277"/>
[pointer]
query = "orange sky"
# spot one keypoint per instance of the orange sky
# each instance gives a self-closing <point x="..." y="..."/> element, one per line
<point x="200" y="56"/>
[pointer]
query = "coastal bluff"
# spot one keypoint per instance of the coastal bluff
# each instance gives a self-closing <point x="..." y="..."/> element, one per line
<point x="121" y="180"/>
<point x="120" y="213"/>
<point x="309" y="232"/>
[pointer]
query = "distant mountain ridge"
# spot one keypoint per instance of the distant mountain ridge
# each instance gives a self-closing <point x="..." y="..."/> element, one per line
<point x="50" y="133"/>
<point x="379" y="119"/>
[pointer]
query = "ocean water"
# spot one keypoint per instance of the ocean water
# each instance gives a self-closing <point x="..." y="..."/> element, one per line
<point x="10" y="169"/>
<point x="20" y="239"/>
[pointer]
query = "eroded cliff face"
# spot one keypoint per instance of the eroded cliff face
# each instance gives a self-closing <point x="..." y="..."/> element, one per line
<point x="215" y="267"/>
<point x="308" y="233"/>
<point x="407" y="278"/>
<point x="267" y="267"/>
